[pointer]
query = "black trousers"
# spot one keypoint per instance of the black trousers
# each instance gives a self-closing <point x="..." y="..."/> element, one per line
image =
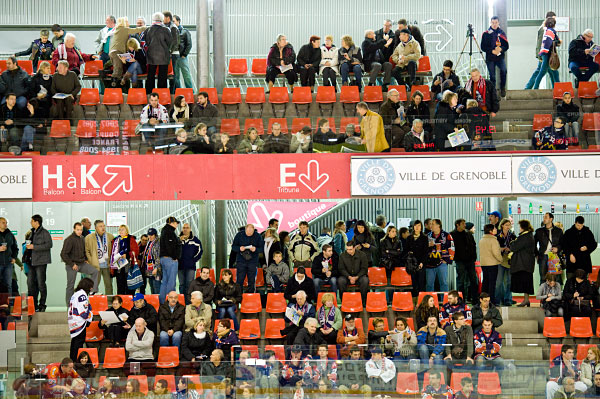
<point x="329" y="77"/>
<point x="162" y="76"/>
<point x="273" y="72"/>
<point x="307" y="76"/>
<point x="77" y="343"/>
<point x="411" y="67"/>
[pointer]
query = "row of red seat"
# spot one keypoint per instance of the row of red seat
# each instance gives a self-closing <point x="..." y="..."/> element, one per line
<point x="591" y="121"/>
<point x="582" y="350"/>
<point x="581" y="327"/>
<point x="488" y="383"/>
<point x="586" y="90"/>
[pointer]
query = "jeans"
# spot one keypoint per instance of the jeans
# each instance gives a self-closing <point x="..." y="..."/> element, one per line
<point x="482" y="363"/>
<point x="174" y="340"/>
<point x="545" y="68"/>
<point x="27" y="139"/>
<point x="572" y="132"/>
<point x="503" y="294"/>
<point x="501" y="64"/>
<point x="411" y="68"/>
<point x="276" y="284"/>
<point x="21" y="102"/>
<point x="585" y="75"/>
<point x="36" y="283"/>
<point x="345" y="70"/>
<point x="169" y="272"/>
<point x="185" y="278"/>
<point x="84" y="268"/>
<point x="134" y="69"/>
<point x="543" y="266"/>
<point x="466" y="280"/>
<point x="553" y="76"/>
<point x="183" y="67"/>
<point x="247" y="269"/>
<point x="104" y="58"/>
<point x="6" y="273"/>
<point x="441" y="272"/>
<point x="425" y="352"/>
<point x="490" y="275"/>
<point x="363" y="286"/>
<point x="155" y="285"/>
<point x="229" y="311"/>
<point x="175" y="83"/>
<point x="319" y="284"/>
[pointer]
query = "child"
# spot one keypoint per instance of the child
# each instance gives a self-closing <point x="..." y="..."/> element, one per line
<point x="466" y="389"/>
<point x="278" y="273"/>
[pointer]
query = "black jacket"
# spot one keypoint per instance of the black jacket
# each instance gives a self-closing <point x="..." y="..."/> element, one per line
<point x="170" y="244"/>
<point x="207" y="114"/>
<point x="356" y="265"/>
<point x="317" y="266"/>
<point x="329" y="138"/>
<point x="445" y="122"/>
<point x="289" y="55"/>
<point x="206" y="287"/>
<point x="420" y="111"/>
<point x="294" y="286"/>
<point x="370" y="49"/>
<point x="571" y="244"/>
<point x="231" y="291"/>
<point x="389" y="112"/>
<point x="309" y="55"/>
<point x="413" y="143"/>
<point x="192" y="347"/>
<point x="36" y="82"/>
<point x="492" y="102"/>
<point x="585" y="290"/>
<point x="393" y="249"/>
<point x="279" y="144"/>
<point x="489" y="39"/>
<point x="435" y="89"/>
<point x="185" y="41"/>
<point x="174" y="47"/>
<point x="568" y="111"/>
<point x="171" y="321"/>
<point x="542" y="237"/>
<point x="200" y="146"/>
<point x="146" y="312"/>
<point x="419" y="247"/>
<point x="476" y="123"/>
<point x="386" y="51"/>
<point x="465" y="249"/>
<point x="12" y="249"/>
<point x="477" y="314"/>
<point x="158" y="41"/>
<point x="523" y="257"/>
<point x="309" y="342"/>
<point x="577" y="49"/>
<point x="15" y="81"/>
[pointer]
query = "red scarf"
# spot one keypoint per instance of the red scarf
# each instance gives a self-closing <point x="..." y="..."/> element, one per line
<point x="477" y="92"/>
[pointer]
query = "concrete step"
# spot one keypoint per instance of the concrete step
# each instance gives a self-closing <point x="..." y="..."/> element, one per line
<point x="522" y="326"/>
<point x="515" y="313"/>
<point x="533" y="105"/>
<point x="531" y="353"/>
<point x="47" y="357"/>
<point x="53" y="330"/>
<point x="45" y="318"/>
<point x="520" y="339"/>
<point x="529" y="94"/>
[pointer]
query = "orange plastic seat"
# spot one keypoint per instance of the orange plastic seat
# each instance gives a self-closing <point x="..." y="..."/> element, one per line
<point x="230" y="126"/>
<point x="386" y="325"/>
<point x="276" y="303"/>
<point x="2" y="66"/>
<point x="279" y="351"/>
<point x="86" y="129"/>
<point x="273" y="328"/>
<point x="255" y="123"/>
<point x="89" y="97"/>
<point x="332" y="352"/>
<point x="253" y="349"/>
<point x="326" y="95"/>
<point x="411" y="323"/>
<point x="401" y="90"/>
<point x="320" y="296"/>
<point x="12" y="326"/>
<point x="455" y="380"/>
<point x="581" y="327"/>
<point x="593" y="276"/>
<point x="541" y="121"/>
<point x="591" y="121"/>
<point x="170" y="378"/>
<point x="60" y="129"/>
<point x="582" y="350"/>
<point x="93" y="333"/>
<point x="30" y="153"/>
<point x="168" y="357"/>
<point x="260" y="278"/>
<point x="251" y="303"/>
<point x="164" y="96"/>
<point x="349" y="95"/>
<point x="193" y="382"/>
<point x="358" y="324"/>
<point x="249" y="328"/>
<point x="129" y="126"/>
<point x="297" y="125"/>
<point x="424" y="65"/>
<point x="27" y="66"/>
<point x="112" y="97"/>
<point x="407" y="384"/>
<point x="282" y="122"/>
<point x="373" y="94"/>
<point x="143" y="380"/>
<point x="587" y="90"/>
<point x="99" y="303"/>
<point x="555" y="350"/>
<point x="402" y="302"/>
<point x="127" y="301"/>
<point x="114" y="358"/>
<point x="93" y="355"/>
<point x="489" y="384"/>
<point x="561" y="88"/>
<point x="55" y="153"/>
<point x="259" y="66"/>
<point x="279" y="95"/>
<point x="255" y="95"/>
<point x="554" y="327"/>
<point x="433" y="294"/>
<point x="426" y="379"/>
<point x="307" y="270"/>
<point x="376" y="302"/>
<point x="423" y="89"/>
<point x="213" y="95"/>
<point x="231" y="95"/>
<point x="80" y="153"/>
<point x="238" y="67"/>
<point x="351" y="302"/>
<point x="377" y="276"/>
<point x="301" y="95"/>
<point x="400" y="277"/>
<point x="109" y="128"/>
<point x="187" y="93"/>
<point x="170" y="69"/>
<point x="137" y="96"/>
<point x="153" y="300"/>
<point x="345" y="121"/>
<point x="18" y="307"/>
<point x="91" y="69"/>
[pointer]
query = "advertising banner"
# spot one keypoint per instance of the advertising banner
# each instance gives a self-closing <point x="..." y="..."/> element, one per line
<point x="289" y="214"/>
<point x="16" y="179"/>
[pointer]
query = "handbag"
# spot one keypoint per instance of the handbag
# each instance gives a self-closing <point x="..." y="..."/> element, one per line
<point x="411" y="263"/>
<point x="134" y="278"/>
<point x="387" y="262"/>
<point x="554" y="61"/>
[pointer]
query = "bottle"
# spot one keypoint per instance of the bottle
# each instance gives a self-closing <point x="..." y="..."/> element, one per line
<point x="587" y="208"/>
<point x="564" y="208"/>
<point x="552" y="208"/>
<point x="541" y="209"/>
<point x="577" y="208"/>
<point x="530" y="207"/>
<point x="519" y="209"/>
<point x="510" y="209"/>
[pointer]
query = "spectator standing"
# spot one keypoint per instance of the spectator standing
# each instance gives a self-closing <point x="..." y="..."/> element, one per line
<point x="247" y="244"/>
<point x="303" y="246"/>
<point x="465" y="256"/>
<point x="484" y="92"/>
<point x="142" y="309"/>
<point x="581" y="63"/>
<point x="79" y="314"/>
<point x="196" y="310"/>
<point x="328" y="66"/>
<point x="40" y="49"/>
<point x="228" y="296"/>
<point x="353" y="266"/>
<point x="373" y="51"/>
<point x="578" y="243"/>
<point x="191" y="252"/>
<point x="405" y="56"/>
<point x="151" y="261"/>
<point x="339" y="237"/>
<point x="391" y="250"/>
<point x="8" y="254"/>
<point x="549" y="43"/>
<point x="59" y="35"/>
<point x="364" y="241"/>
<point x="446" y="80"/>
<point x="203" y="284"/>
<point x="495" y="44"/>
<point x="505" y="237"/>
<point x="173" y="47"/>
<point x="441" y="245"/>
<point x="65" y="82"/>
<point x="540" y="36"/>
<point x="446" y="115"/>
<point x="488" y="342"/>
<point x="418" y="247"/>
<point x="40" y="89"/>
<point x="484" y="309"/>
<point x="578" y="296"/>
<point x="185" y="47"/>
<point x="103" y="41"/>
<point x="350" y="59"/>
<point x="281" y="59"/>
<point x="371" y="129"/>
<point x="124" y="254"/>
<point x="139" y="343"/>
<point x="547" y="240"/>
<point x="16" y="81"/>
<point x="568" y="110"/>
<point x="550" y="296"/>
<point x="490" y="259"/>
<point x="308" y="60"/>
<point x="158" y="43"/>
<point x="170" y="254"/>
<point x="522" y="262"/>
<point x="40" y="243"/>
<point x="430" y="343"/>
<point x="551" y="137"/>
<point x="171" y="317"/>
<point x="118" y="45"/>
<point x="73" y="255"/>
<point x="69" y="52"/>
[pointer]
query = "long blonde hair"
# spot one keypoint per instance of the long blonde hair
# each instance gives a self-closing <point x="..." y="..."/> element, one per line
<point x="337" y="227"/>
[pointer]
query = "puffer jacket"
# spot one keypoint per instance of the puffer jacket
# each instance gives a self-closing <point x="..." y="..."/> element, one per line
<point x="577" y="49"/>
<point x="42" y="243"/>
<point x="12" y="249"/>
<point x="15" y="81"/>
<point x="411" y="51"/>
<point x="303" y="248"/>
<point x="230" y="291"/>
<point x="191" y="252"/>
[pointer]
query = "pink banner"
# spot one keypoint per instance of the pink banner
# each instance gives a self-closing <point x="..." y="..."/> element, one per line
<point x="289" y="214"/>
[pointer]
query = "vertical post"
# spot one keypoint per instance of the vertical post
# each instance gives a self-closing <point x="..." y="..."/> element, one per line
<point x="220" y="235"/>
<point x="205" y="233"/>
<point x="202" y="45"/>
<point x="501" y="10"/>
<point x="218" y="22"/>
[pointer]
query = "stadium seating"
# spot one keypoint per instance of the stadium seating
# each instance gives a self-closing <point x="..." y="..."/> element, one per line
<point x="91" y="69"/>
<point x="213" y="95"/>
<point x="302" y="98"/>
<point x="164" y="96"/>
<point x="17" y="310"/>
<point x="231" y="97"/>
<point x="326" y="98"/>
<point x="561" y="88"/>
<point x="320" y="296"/>
<point x="259" y="66"/>
<point x="93" y="333"/>
<point x="351" y="302"/>
<point x="255" y="123"/>
<point x="426" y="379"/>
<point x="455" y="380"/>
<point x="143" y="380"/>
<point x="373" y="95"/>
<point x="187" y="93"/>
<point x="153" y="300"/>
<point x="278" y="349"/>
<point x="114" y="358"/>
<point x="282" y="122"/>
<point x="255" y="99"/>
<point x="249" y="329"/>
<point x="371" y="327"/>
<point x="251" y="303"/>
<point x="279" y="98"/>
<point x="127" y="301"/>
<point x="554" y="327"/>
<point x="402" y="302"/>
<point x="238" y="67"/>
<point x="433" y="294"/>
<point x="253" y="349"/>
<point x="407" y="384"/>
<point x="376" y="302"/>
<point x="401" y="90"/>
<point x="273" y="328"/>
<point x="349" y="97"/>
<point x="581" y="327"/>
<point x="99" y="303"/>
<point x="276" y="303"/>
<point x="424" y="89"/>
<point x="377" y="277"/>
<point x="489" y="384"/>
<point x="541" y="121"/>
<point x="170" y="381"/>
<point x="93" y="355"/>
<point x="60" y="129"/>
<point x="168" y="357"/>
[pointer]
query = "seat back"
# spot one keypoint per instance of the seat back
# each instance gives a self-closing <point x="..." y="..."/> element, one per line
<point x="114" y="358"/>
<point x="402" y="302"/>
<point x="92" y="355"/>
<point x="541" y="121"/>
<point x="400" y="277"/>
<point x="249" y="329"/>
<point x="276" y="303"/>
<point x="93" y="333"/>
<point x="143" y="380"/>
<point x="560" y="88"/>
<point x="302" y="95"/>
<point x="109" y="128"/>
<point x="554" y="327"/>
<point x="251" y="303"/>
<point x="376" y="302"/>
<point x="168" y="357"/>
<point x="99" y="303"/>
<point x="349" y="94"/>
<point x="231" y="95"/>
<point x="60" y="128"/>
<point x="424" y="65"/>
<point x="255" y="95"/>
<point x="371" y="327"/>
<point x="255" y="123"/>
<point x="377" y="276"/>
<point x="213" y="95"/>
<point x="91" y="69"/>
<point x="407" y="384"/>
<point x="326" y="95"/>
<point x="279" y="351"/>
<point x="153" y="300"/>
<point x="231" y="127"/>
<point x="137" y="96"/>
<point x="424" y="89"/>
<point x="279" y="95"/>
<point x="273" y="328"/>
<point x="238" y="67"/>
<point x="297" y="125"/>
<point x="164" y="96"/>
<point x="259" y="66"/>
<point x="89" y="97"/>
<point x="372" y="94"/>
<point x="187" y="93"/>
<point x="351" y="302"/>
<point x="581" y="327"/>
<point x="112" y="96"/>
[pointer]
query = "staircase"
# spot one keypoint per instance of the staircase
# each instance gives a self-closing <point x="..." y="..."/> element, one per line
<point x="49" y="339"/>
<point x="187" y="214"/>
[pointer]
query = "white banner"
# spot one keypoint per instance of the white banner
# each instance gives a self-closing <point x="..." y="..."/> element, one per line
<point x="556" y="174"/>
<point x="16" y="179"/>
<point x="431" y="175"/>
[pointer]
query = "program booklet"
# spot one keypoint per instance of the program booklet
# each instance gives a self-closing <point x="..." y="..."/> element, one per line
<point x="458" y="138"/>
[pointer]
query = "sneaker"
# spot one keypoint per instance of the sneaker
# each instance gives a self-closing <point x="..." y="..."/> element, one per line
<point x="502" y="92"/>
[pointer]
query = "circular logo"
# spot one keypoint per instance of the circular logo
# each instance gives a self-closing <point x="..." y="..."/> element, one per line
<point x="376" y="176"/>
<point x="537" y="174"/>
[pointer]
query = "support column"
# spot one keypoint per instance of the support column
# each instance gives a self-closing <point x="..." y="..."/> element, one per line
<point x="501" y="10"/>
<point x="218" y="22"/>
<point x="202" y="44"/>
<point x="220" y="235"/>
<point x="205" y="234"/>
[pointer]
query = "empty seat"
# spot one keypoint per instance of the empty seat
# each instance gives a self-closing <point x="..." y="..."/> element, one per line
<point x="238" y="67"/>
<point x="231" y="95"/>
<point x="373" y="94"/>
<point x="255" y="123"/>
<point x="137" y="96"/>
<point x="581" y="327"/>
<point x="168" y="357"/>
<point x="273" y="328"/>
<point x="187" y="93"/>
<point x="349" y="94"/>
<point x="109" y="128"/>
<point x="541" y="121"/>
<point x="213" y="95"/>
<point x="143" y="380"/>
<point x="560" y="88"/>
<point x="230" y="126"/>
<point x="279" y="351"/>
<point x="554" y="327"/>
<point x="114" y="358"/>
<point x="55" y="153"/>
<point x="259" y="66"/>
<point x="86" y="129"/>
<point x="587" y="90"/>
<point x="400" y="277"/>
<point x="251" y="303"/>
<point x="320" y="296"/>
<point x="371" y="327"/>
<point x="402" y="302"/>
<point x="424" y="89"/>
<point x="282" y="122"/>
<point x="302" y="96"/>
<point x="376" y="302"/>
<point x="60" y="128"/>
<point x="27" y="66"/>
<point x="351" y="302"/>
<point x="92" y="353"/>
<point x="593" y="276"/>
<point x="332" y="352"/>
<point x="89" y="97"/>
<point x="489" y="384"/>
<point x="424" y="65"/>
<point x="401" y="90"/>
<point x="164" y="96"/>
<point x="99" y="303"/>
<point x="129" y="127"/>
<point x="297" y="125"/>
<point x="249" y="329"/>
<point x="276" y="303"/>
<point x="377" y="277"/>
<point x="278" y="98"/>
<point x="591" y="122"/>
<point x="91" y="69"/>
<point x="112" y="97"/>
<point x="326" y="95"/>
<point x="17" y="310"/>
<point x="407" y="384"/>
<point x="255" y="99"/>
<point x="153" y="300"/>
<point x="433" y="294"/>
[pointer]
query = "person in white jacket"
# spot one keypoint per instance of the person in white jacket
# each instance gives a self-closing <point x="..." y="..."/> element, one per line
<point x="139" y="343"/>
<point x="590" y="366"/>
<point x="79" y="315"/>
<point x="328" y="67"/>
<point x="380" y="372"/>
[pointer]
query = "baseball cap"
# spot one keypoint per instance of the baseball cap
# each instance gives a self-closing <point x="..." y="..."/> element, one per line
<point x="495" y="213"/>
<point x="138" y="296"/>
<point x="152" y="231"/>
<point x="172" y="219"/>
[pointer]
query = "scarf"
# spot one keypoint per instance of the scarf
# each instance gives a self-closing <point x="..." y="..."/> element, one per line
<point x="178" y="110"/>
<point x="102" y="247"/>
<point x="354" y="332"/>
<point x="120" y="247"/>
<point x="479" y="93"/>
<point x="408" y="331"/>
<point x="268" y="243"/>
<point x="420" y="136"/>
<point x="326" y="320"/>
<point x="148" y="258"/>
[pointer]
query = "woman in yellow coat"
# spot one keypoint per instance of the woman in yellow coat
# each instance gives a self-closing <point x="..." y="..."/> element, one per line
<point x="372" y="132"/>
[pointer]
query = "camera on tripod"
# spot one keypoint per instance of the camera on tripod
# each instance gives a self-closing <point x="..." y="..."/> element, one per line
<point x="470" y="32"/>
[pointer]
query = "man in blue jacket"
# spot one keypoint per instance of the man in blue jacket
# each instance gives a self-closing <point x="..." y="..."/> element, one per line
<point x="495" y="44"/>
<point x="247" y="244"/>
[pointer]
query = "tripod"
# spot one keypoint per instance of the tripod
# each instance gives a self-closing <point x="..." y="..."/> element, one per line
<point x="470" y="39"/>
